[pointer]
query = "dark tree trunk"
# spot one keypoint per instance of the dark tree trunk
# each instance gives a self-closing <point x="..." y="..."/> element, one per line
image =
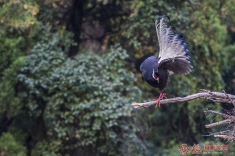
<point x="75" y="24"/>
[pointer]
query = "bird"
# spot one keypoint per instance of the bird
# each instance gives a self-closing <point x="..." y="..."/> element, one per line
<point x="173" y="58"/>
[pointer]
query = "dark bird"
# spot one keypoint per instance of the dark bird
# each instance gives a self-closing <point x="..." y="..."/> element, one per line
<point x="172" y="58"/>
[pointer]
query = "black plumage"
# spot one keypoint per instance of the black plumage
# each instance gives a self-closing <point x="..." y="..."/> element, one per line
<point x="173" y="57"/>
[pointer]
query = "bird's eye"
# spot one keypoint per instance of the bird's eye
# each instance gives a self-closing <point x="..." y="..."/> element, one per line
<point x="156" y="74"/>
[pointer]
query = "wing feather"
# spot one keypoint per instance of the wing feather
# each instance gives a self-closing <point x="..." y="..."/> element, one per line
<point x="173" y="54"/>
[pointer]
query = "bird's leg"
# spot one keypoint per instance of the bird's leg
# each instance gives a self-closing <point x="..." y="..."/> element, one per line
<point x="161" y="96"/>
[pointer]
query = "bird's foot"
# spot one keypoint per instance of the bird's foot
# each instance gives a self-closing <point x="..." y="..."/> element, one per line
<point x="161" y="96"/>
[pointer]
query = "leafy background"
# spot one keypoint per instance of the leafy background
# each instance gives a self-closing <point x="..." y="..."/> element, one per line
<point x="70" y="71"/>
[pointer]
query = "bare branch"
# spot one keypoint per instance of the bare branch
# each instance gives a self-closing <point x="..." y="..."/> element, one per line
<point x="229" y="138"/>
<point x="219" y="133"/>
<point x="213" y="96"/>
<point x="216" y="112"/>
<point x="223" y="122"/>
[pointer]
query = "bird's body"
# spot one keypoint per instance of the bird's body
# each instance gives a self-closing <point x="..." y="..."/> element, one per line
<point x="173" y="58"/>
<point x="147" y="69"/>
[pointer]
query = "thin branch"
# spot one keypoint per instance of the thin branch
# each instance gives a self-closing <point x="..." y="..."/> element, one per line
<point x="217" y="96"/>
<point x="229" y="138"/>
<point x="223" y="122"/>
<point x="216" y="112"/>
<point x="218" y="133"/>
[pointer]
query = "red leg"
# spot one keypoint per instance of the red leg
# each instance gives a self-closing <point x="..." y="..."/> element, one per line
<point x="161" y="96"/>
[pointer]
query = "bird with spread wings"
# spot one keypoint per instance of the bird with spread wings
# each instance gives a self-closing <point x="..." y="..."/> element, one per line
<point x="173" y="57"/>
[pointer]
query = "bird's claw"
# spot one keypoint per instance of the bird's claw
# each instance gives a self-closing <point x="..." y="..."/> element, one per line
<point x="161" y="96"/>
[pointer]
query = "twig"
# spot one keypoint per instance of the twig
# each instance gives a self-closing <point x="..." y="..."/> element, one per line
<point x="216" y="112"/>
<point x="229" y="138"/>
<point x="230" y="119"/>
<point x="218" y="133"/>
<point x="223" y="122"/>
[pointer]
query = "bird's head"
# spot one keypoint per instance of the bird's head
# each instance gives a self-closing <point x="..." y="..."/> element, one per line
<point x="155" y="75"/>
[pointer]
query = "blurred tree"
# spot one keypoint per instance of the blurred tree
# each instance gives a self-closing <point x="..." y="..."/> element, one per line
<point x="92" y="22"/>
<point x="18" y="26"/>
<point x="228" y="18"/>
<point x="10" y="147"/>
<point x="78" y="103"/>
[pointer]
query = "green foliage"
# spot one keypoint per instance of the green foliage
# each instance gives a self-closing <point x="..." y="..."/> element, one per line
<point x="10" y="147"/>
<point x="45" y="148"/>
<point x="18" y="25"/>
<point x="9" y="102"/>
<point x="84" y="101"/>
<point x="18" y="15"/>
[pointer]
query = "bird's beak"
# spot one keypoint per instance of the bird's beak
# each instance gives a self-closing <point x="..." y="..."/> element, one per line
<point x="155" y="77"/>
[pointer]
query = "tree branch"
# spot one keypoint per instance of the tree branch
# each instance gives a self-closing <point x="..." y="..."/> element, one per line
<point x="216" y="112"/>
<point x="219" y="133"/>
<point x="223" y="122"/>
<point x="212" y="96"/>
<point x="229" y="138"/>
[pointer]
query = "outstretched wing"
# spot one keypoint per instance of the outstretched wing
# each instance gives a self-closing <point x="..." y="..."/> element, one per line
<point x="173" y="54"/>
